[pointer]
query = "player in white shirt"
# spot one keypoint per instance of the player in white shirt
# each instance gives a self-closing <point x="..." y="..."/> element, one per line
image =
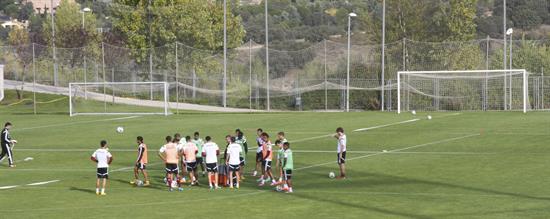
<point x="232" y="160"/>
<point x="260" y="142"/>
<point x="210" y="152"/>
<point x="103" y="158"/>
<point x="341" y="149"/>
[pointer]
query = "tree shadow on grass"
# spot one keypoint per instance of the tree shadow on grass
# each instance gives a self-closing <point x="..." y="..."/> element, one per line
<point x="362" y="207"/>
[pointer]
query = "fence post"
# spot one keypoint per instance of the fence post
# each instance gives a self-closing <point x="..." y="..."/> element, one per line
<point x="194" y="83"/>
<point x="250" y="74"/>
<point x="383" y="53"/>
<point x="177" y="82"/>
<point x="325" y="69"/>
<point x="85" y="78"/>
<point x="113" y="87"/>
<point x="151" y="70"/>
<point x="33" y="80"/>
<point x="104" y="79"/>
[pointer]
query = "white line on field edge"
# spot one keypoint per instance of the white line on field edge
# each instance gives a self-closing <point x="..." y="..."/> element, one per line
<point x="42" y="183"/>
<point x="7" y="187"/>
<point x="80" y="122"/>
<point x="395" y="150"/>
<point x="386" y="125"/>
<point x="363" y="129"/>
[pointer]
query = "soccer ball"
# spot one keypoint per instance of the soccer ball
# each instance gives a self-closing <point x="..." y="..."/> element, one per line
<point x="331" y="175"/>
<point x="429" y="117"/>
<point x="139" y="183"/>
<point x="120" y="129"/>
<point x="413" y="112"/>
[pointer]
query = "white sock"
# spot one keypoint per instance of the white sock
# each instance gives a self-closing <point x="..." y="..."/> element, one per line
<point x="97" y="190"/>
<point x="102" y="190"/>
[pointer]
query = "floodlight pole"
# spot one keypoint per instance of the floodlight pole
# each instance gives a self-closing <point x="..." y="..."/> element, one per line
<point x="267" y="56"/>
<point x="55" y="79"/>
<point x="383" y="53"/>
<point x="348" y="65"/>
<point x="504" y="49"/>
<point x="511" y="45"/>
<point x="224" y="53"/>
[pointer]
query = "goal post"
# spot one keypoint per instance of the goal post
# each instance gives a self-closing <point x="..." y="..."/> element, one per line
<point x="461" y="90"/>
<point x="119" y="98"/>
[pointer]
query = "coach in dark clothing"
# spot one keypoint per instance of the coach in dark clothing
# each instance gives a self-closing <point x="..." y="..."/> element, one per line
<point x="7" y="144"/>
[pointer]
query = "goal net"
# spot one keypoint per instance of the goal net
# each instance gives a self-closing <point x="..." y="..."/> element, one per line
<point x="462" y="90"/>
<point x="124" y="98"/>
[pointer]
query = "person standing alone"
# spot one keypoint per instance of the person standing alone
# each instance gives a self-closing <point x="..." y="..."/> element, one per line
<point x="7" y="144"/>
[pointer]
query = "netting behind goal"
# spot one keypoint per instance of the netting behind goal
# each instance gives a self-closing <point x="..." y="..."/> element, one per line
<point x="106" y="98"/>
<point x="462" y="90"/>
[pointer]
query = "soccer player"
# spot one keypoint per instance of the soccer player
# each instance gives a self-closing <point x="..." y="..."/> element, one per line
<point x="280" y="154"/>
<point x="7" y="144"/>
<point x="232" y="160"/>
<point x="267" y="154"/>
<point x="169" y="153"/>
<point x="241" y="140"/>
<point x="259" y="152"/>
<point x="199" y="143"/>
<point x="288" y="165"/>
<point x="190" y="151"/>
<point x="103" y="158"/>
<point x="180" y="142"/>
<point x="210" y="152"/>
<point x="141" y="163"/>
<point x="341" y="149"/>
<point x="239" y="137"/>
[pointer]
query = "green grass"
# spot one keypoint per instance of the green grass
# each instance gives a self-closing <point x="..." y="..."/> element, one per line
<point x="470" y="165"/>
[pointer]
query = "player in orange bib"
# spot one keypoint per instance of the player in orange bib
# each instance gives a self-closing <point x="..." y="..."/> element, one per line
<point x="267" y="153"/>
<point x="190" y="151"/>
<point x="141" y="163"/>
<point x="170" y="154"/>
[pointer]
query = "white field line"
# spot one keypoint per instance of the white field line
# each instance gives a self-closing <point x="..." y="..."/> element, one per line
<point x="395" y="150"/>
<point x="8" y="187"/>
<point x="74" y="123"/>
<point x="363" y="129"/>
<point x="42" y="183"/>
<point x="386" y="125"/>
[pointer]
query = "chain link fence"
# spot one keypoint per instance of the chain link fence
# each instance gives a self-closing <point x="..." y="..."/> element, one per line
<point x="312" y="78"/>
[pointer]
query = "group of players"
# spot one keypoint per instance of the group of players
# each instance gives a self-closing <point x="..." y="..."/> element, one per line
<point x="190" y="153"/>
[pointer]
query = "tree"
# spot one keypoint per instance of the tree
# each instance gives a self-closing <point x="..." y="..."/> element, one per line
<point x="70" y="34"/>
<point x="461" y="20"/>
<point x="193" y="22"/>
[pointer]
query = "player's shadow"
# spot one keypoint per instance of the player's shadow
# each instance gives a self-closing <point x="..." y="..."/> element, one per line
<point x="92" y="191"/>
<point x="152" y="186"/>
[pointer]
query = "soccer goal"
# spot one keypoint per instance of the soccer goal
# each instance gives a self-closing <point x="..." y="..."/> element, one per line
<point x="118" y="98"/>
<point x="462" y="90"/>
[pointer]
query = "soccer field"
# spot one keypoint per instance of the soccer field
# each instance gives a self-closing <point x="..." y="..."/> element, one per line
<point x="456" y="165"/>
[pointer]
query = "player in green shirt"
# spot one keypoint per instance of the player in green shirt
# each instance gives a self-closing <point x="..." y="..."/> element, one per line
<point x="280" y="153"/>
<point x="199" y="143"/>
<point x="241" y="140"/>
<point x="288" y="166"/>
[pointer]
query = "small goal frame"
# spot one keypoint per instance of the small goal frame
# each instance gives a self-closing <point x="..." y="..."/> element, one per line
<point x="86" y="94"/>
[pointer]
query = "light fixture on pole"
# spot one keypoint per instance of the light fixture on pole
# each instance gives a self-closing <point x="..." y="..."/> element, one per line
<point x="350" y="15"/>
<point x="83" y="11"/>
<point x="510" y="32"/>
